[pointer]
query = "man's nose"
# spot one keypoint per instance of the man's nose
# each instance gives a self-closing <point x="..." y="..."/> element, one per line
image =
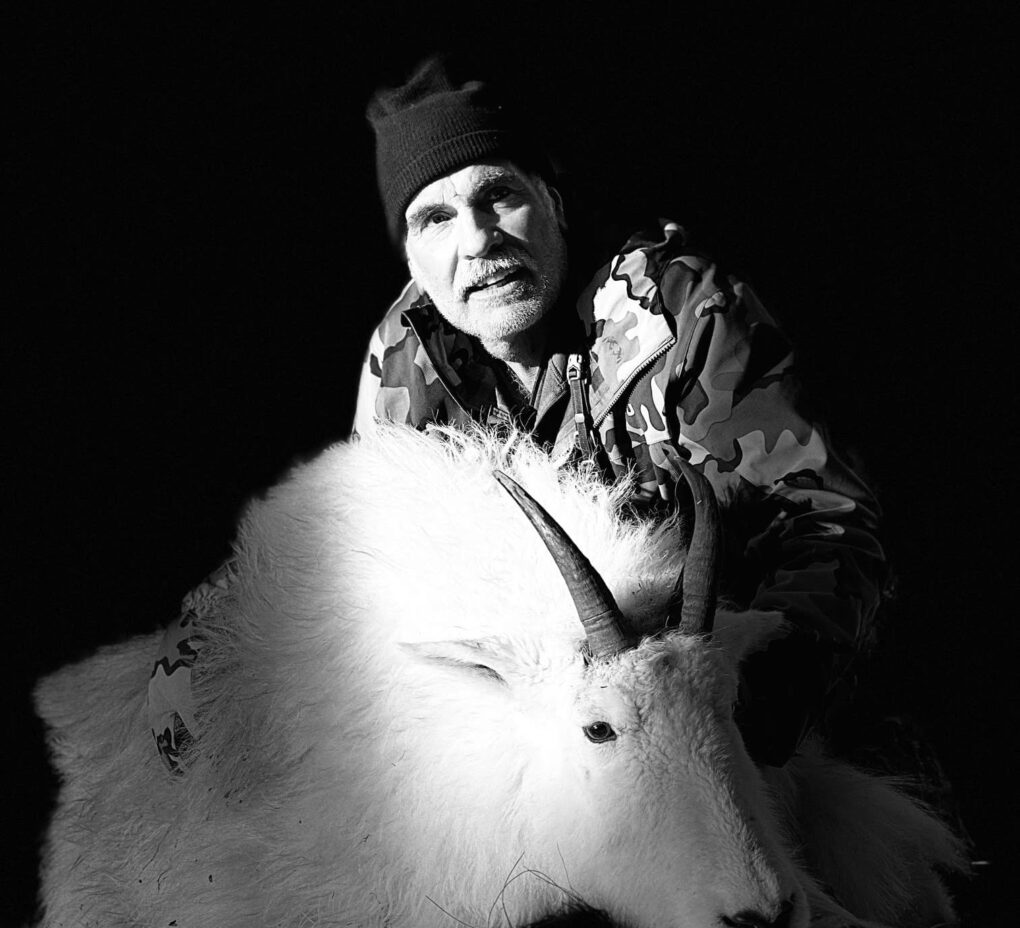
<point x="478" y="233"/>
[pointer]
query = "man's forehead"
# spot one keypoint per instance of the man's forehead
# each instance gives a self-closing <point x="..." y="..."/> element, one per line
<point x="464" y="181"/>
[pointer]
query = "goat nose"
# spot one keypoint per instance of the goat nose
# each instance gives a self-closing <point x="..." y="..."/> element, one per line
<point x="750" y="919"/>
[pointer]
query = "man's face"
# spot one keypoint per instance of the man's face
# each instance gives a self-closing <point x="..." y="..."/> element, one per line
<point x="486" y="243"/>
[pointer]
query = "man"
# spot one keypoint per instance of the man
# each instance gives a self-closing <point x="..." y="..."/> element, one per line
<point x="654" y="356"/>
<point x="509" y="321"/>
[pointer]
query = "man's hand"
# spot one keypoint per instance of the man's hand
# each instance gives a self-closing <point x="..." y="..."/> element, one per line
<point x="782" y="695"/>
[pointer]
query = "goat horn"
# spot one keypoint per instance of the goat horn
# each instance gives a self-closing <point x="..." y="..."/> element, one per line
<point x="605" y="627"/>
<point x="693" y="607"/>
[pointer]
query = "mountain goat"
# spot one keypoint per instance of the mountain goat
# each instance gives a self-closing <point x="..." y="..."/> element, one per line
<point x="401" y="721"/>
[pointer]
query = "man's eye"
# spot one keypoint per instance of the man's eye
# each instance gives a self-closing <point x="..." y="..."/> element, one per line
<point x="499" y="193"/>
<point x="436" y="218"/>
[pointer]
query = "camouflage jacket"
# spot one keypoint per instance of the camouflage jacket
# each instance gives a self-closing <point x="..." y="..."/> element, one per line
<point x="683" y="361"/>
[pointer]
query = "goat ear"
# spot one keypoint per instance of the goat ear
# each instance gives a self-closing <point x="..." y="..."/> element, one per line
<point x="743" y="633"/>
<point x="493" y="658"/>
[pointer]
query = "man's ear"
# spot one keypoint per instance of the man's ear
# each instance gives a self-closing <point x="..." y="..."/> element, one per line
<point x="558" y="208"/>
<point x="410" y="268"/>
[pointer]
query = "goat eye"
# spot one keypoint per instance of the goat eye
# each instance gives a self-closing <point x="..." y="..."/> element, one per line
<point x="598" y="732"/>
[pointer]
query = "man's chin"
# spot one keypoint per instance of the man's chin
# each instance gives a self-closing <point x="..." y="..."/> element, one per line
<point x="504" y="322"/>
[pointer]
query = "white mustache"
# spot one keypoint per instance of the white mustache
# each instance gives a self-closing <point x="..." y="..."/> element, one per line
<point x="480" y="274"/>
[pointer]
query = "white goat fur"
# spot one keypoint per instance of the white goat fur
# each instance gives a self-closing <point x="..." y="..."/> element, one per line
<point x="391" y="703"/>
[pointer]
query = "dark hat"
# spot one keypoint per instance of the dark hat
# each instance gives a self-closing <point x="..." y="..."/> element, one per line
<point x="432" y="126"/>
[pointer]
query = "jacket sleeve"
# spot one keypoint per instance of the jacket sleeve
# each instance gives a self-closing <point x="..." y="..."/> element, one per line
<point x="805" y="526"/>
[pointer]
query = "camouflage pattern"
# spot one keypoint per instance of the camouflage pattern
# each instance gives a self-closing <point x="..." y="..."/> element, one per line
<point x="170" y="703"/>
<point x="684" y="360"/>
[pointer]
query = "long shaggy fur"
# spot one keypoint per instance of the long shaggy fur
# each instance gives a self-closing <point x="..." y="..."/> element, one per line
<point x="390" y="704"/>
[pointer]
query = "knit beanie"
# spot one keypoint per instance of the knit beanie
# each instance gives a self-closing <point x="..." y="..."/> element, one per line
<point x="431" y="126"/>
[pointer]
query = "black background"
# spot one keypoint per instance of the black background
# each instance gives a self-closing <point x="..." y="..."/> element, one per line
<point x="199" y="258"/>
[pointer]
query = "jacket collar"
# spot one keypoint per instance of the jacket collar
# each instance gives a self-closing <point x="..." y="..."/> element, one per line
<point x="623" y="316"/>
<point x="455" y="358"/>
